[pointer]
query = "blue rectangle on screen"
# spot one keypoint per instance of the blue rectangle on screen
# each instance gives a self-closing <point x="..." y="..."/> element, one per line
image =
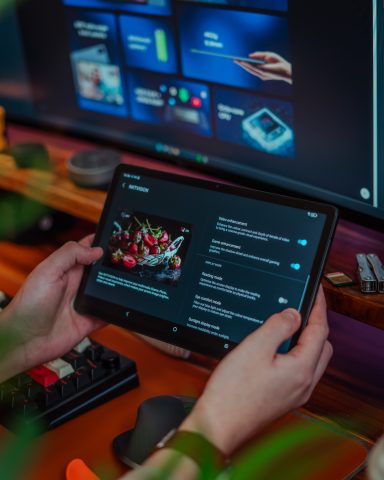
<point x="148" y="43"/>
<point x="263" y="124"/>
<point x="95" y="62"/>
<point x="212" y="40"/>
<point x="163" y="100"/>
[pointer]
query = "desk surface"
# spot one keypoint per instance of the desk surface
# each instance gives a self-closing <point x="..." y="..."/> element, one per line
<point x="353" y="404"/>
<point x="57" y="191"/>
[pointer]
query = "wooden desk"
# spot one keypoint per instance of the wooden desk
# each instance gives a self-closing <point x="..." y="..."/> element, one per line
<point x="57" y="191"/>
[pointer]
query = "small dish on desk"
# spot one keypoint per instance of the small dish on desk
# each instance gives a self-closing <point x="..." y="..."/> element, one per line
<point x="93" y="168"/>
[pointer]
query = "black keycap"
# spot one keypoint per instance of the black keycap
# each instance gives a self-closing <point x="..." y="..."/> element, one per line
<point x="110" y="360"/>
<point x="48" y="397"/>
<point x="77" y="360"/>
<point x="33" y="389"/>
<point x="16" y="398"/>
<point x="66" y="388"/>
<point x="81" y="379"/>
<point x="97" y="372"/>
<point x="27" y="409"/>
<point x="20" y="380"/>
<point x="94" y="352"/>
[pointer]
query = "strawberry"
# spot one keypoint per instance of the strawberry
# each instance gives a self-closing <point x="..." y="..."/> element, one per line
<point x="129" y="261"/>
<point x="150" y="240"/>
<point x="133" y="248"/>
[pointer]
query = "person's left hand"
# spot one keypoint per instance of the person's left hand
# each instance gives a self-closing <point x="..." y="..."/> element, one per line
<point x="42" y="313"/>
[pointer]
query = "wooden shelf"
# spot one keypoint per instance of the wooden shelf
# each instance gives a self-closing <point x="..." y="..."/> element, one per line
<point x="55" y="190"/>
<point x="349" y="240"/>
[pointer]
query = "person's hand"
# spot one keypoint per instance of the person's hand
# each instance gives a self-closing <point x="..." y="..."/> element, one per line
<point x="254" y="385"/>
<point x="274" y="68"/>
<point x="42" y="313"/>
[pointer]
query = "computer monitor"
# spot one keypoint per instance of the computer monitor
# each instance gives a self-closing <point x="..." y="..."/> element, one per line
<point x="283" y="93"/>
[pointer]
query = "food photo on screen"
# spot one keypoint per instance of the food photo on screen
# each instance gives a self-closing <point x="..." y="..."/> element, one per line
<point x="100" y="82"/>
<point x="148" y="246"/>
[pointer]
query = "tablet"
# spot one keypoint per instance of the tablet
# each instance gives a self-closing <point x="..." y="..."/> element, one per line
<point x="202" y="265"/>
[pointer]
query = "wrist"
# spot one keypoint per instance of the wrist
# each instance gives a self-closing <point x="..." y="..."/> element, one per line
<point x="217" y="431"/>
<point x="184" y="467"/>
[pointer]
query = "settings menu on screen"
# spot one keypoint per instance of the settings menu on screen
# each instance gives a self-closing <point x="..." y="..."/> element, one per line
<point x="210" y="261"/>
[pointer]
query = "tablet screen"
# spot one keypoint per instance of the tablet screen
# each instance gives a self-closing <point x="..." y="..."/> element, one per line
<point x="202" y="265"/>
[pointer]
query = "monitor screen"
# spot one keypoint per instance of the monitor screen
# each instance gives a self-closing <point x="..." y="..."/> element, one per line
<point x="283" y="92"/>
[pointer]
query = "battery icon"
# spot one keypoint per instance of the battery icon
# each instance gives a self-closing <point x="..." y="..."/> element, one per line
<point x="161" y="45"/>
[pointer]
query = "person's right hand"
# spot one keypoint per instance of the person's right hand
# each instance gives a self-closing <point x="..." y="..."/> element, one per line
<point x="254" y="385"/>
<point x="275" y="67"/>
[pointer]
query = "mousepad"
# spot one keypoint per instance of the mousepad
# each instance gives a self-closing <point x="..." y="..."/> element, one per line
<point x="300" y="447"/>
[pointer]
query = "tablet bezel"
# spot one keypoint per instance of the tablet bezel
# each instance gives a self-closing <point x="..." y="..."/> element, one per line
<point x="183" y="336"/>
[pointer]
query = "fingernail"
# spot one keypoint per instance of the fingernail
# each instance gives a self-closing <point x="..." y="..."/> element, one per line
<point x="290" y="315"/>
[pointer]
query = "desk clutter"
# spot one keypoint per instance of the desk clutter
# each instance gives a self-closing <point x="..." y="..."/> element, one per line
<point x="53" y="393"/>
<point x="370" y="272"/>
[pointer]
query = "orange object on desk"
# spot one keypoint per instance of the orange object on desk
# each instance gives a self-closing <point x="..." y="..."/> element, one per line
<point x="78" y="470"/>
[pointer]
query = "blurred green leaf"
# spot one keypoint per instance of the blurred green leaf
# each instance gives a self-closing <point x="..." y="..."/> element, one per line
<point x="17" y="454"/>
<point x="5" y="5"/>
<point x="18" y="214"/>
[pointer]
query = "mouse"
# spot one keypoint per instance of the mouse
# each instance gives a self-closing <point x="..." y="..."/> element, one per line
<point x="156" y="417"/>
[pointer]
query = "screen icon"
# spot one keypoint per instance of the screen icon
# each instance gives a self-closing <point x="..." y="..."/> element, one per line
<point x="296" y="266"/>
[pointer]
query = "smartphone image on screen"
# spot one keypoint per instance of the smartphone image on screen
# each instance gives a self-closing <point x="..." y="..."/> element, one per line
<point x="229" y="57"/>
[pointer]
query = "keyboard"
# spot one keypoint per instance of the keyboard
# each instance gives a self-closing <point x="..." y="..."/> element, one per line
<point x="53" y="393"/>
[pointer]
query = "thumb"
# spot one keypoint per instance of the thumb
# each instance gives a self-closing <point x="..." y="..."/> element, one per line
<point x="277" y="329"/>
<point x="68" y="256"/>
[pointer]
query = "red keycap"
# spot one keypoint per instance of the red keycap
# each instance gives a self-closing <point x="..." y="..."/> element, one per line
<point x="43" y="375"/>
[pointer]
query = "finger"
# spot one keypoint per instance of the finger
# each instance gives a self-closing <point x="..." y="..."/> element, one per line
<point x="88" y="240"/>
<point x="259" y="55"/>
<point x="271" y="67"/>
<point x="269" y="57"/>
<point x="69" y="255"/>
<point x="311" y="341"/>
<point x="275" y="331"/>
<point x="325" y="357"/>
<point x="320" y="298"/>
<point x="250" y="69"/>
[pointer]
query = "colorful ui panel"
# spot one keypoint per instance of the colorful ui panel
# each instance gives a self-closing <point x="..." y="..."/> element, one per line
<point x="219" y="69"/>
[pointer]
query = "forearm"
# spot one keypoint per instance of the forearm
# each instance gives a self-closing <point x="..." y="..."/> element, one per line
<point x="165" y="464"/>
